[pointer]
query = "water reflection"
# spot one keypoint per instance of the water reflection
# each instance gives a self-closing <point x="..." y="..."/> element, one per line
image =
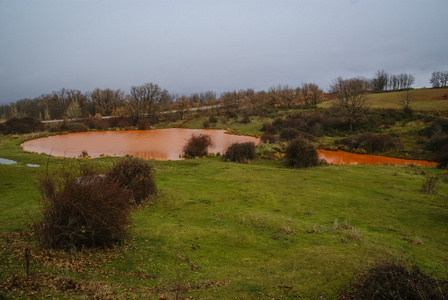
<point x="347" y="158"/>
<point x="159" y="144"/>
<point x="4" y="161"/>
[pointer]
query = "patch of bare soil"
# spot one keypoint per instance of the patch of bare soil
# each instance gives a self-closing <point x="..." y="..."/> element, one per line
<point x="442" y="97"/>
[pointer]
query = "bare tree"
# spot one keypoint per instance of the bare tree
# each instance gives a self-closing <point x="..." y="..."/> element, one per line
<point x="352" y="98"/>
<point x="73" y="110"/>
<point x="106" y="101"/>
<point x="273" y="96"/>
<point x="380" y="81"/>
<point x="182" y="106"/>
<point x="306" y="94"/>
<point x="406" y="101"/>
<point x="147" y="100"/>
<point x="316" y="93"/>
<point x="439" y="79"/>
<point x="288" y="95"/>
<point x="230" y="102"/>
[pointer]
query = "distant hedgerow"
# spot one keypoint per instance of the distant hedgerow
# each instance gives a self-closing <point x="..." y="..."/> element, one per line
<point x="240" y="152"/>
<point x="372" y="143"/>
<point x="21" y="126"/>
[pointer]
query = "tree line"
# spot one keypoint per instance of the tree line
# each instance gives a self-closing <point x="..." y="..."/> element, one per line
<point x="148" y="101"/>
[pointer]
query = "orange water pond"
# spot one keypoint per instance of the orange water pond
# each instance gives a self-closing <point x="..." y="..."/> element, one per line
<point x="347" y="158"/>
<point x="159" y="144"/>
<point x="167" y="144"/>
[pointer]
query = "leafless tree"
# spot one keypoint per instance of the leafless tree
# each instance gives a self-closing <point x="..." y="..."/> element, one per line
<point x="380" y="81"/>
<point x="106" y="101"/>
<point x="401" y="81"/>
<point x="316" y="93"/>
<point x="230" y="101"/>
<point x="182" y="106"/>
<point x="352" y="98"/>
<point x="306" y="94"/>
<point x="147" y="100"/>
<point x="287" y="95"/>
<point x="273" y="96"/>
<point x="407" y="100"/>
<point x="439" y="79"/>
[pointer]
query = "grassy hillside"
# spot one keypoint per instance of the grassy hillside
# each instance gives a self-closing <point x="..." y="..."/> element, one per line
<point x="423" y="99"/>
<point x="223" y="230"/>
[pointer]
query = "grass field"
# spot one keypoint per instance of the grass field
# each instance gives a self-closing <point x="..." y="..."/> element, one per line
<point x="422" y="99"/>
<point x="230" y="231"/>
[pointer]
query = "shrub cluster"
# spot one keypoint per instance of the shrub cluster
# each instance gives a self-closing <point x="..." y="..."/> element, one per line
<point x="82" y="209"/>
<point x="240" y="152"/>
<point x="134" y="175"/>
<point x="21" y="126"/>
<point x="439" y="146"/>
<point x="85" y="208"/>
<point x="372" y="143"/>
<point x="395" y="280"/>
<point x="197" y="145"/>
<point x="288" y="134"/>
<point x="301" y="153"/>
<point x="212" y="119"/>
<point x="437" y="133"/>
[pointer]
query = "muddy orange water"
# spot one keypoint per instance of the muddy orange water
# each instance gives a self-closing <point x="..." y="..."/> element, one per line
<point x="159" y="144"/>
<point x="347" y="158"/>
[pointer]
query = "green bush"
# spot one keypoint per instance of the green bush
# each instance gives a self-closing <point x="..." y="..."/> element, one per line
<point x="372" y="143"/>
<point x="77" y="127"/>
<point x="135" y="175"/>
<point x="240" y="152"/>
<point x="22" y="125"/>
<point x="197" y="145"/>
<point x="288" y="134"/>
<point x="268" y="137"/>
<point x="82" y="208"/>
<point x="439" y="146"/>
<point x="301" y="153"/>
<point x="212" y="119"/>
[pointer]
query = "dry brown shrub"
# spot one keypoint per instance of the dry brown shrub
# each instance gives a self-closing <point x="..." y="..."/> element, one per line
<point x="82" y="208"/>
<point x="197" y="145"/>
<point x="135" y="175"/>
<point x="399" y="280"/>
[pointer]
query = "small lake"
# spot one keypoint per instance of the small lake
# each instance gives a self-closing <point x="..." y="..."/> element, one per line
<point x="167" y="144"/>
<point x="347" y="158"/>
<point x="158" y="144"/>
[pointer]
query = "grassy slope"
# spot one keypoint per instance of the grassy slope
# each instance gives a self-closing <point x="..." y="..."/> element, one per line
<point x="248" y="224"/>
<point x="424" y="99"/>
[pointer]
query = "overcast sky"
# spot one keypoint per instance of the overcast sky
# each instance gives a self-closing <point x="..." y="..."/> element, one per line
<point x="188" y="46"/>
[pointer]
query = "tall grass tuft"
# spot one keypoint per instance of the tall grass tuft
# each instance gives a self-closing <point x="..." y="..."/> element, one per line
<point x="428" y="186"/>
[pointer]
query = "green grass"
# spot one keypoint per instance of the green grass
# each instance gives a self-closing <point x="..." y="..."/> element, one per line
<point x="423" y="99"/>
<point x="257" y="231"/>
